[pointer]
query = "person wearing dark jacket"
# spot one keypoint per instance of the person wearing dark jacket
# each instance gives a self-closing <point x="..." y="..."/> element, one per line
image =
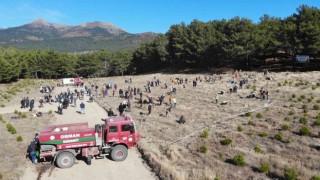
<point x="121" y="109"/>
<point x="32" y="152"/>
<point x="31" y="104"/>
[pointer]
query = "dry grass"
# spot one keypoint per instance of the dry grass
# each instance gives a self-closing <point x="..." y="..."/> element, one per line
<point x="183" y="160"/>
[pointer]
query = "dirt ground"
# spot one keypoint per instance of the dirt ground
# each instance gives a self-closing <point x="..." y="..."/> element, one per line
<point x="173" y="150"/>
<point x="13" y="152"/>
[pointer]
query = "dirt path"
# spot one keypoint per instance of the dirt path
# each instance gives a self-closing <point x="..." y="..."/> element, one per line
<point x="100" y="169"/>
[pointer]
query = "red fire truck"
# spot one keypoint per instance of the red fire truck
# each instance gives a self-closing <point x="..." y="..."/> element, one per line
<point x="62" y="143"/>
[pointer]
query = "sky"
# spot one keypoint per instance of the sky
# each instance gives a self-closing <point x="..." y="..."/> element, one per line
<point x="137" y="16"/>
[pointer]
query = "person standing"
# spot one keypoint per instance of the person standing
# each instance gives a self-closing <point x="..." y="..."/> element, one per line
<point x="121" y="109"/>
<point x="41" y="102"/>
<point x="217" y="98"/>
<point x="75" y="102"/>
<point x="23" y="103"/>
<point x="31" y="104"/>
<point x="149" y="108"/>
<point x="32" y="152"/>
<point x="82" y="107"/>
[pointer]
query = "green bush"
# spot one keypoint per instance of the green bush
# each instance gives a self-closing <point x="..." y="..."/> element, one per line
<point x="11" y="129"/>
<point x="291" y="112"/>
<point x="305" y="131"/>
<point x="250" y="122"/>
<point x="316" y="107"/>
<point x="264" y="134"/>
<point x="285" y="127"/>
<point x="240" y="129"/>
<point x="318" y="84"/>
<point x="293" y="96"/>
<point x="315" y="178"/>
<point x="302" y="96"/>
<point x="203" y="149"/>
<point x="310" y="100"/>
<point x="205" y="134"/>
<point x="248" y="114"/>
<point x="291" y="105"/>
<point x="290" y="174"/>
<point x="279" y="84"/>
<point x="23" y="115"/>
<point x="19" y="139"/>
<point x="50" y="112"/>
<point x="259" y="115"/>
<point x="303" y="120"/>
<point x="318" y="101"/>
<point x="278" y="137"/>
<point x="304" y="106"/>
<point x="257" y="149"/>
<point x="317" y="122"/>
<point x="16" y="111"/>
<point x="2" y="105"/>
<point x="238" y="160"/>
<point x="264" y="167"/>
<point x="1" y="119"/>
<point x="216" y="178"/>
<point x="226" y="141"/>
<point x="287" y="118"/>
<point x="0" y="176"/>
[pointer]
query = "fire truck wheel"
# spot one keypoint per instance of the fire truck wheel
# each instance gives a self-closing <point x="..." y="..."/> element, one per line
<point x="119" y="153"/>
<point x="65" y="160"/>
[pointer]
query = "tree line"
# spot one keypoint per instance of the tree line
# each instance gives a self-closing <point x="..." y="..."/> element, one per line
<point x="234" y="42"/>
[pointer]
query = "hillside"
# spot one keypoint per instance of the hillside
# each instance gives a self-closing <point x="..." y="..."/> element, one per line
<point x="88" y="36"/>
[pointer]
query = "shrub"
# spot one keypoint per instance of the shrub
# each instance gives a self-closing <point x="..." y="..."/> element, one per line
<point x="279" y="84"/>
<point x="305" y="111"/>
<point x="287" y="119"/>
<point x="216" y="178"/>
<point x="303" y="120"/>
<point x="314" y="87"/>
<point x="23" y="115"/>
<point x="0" y="176"/>
<point x="263" y="134"/>
<point x="285" y="127"/>
<point x="318" y="84"/>
<point x="50" y="112"/>
<point x="316" y="107"/>
<point x="1" y="119"/>
<point x="293" y="96"/>
<point x="238" y="160"/>
<point x="205" y="134"/>
<point x="226" y="141"/>
<point x="291" y="105"/>
<point x="310" y="99"/>
<point x="2" y="105"/>
<point x="220" y="155"/>
<point x="317" y="122"/>
<point x="257" y="149"/>
<point x="291" y="112"/>
<point x="290" y="174"/>
<point x="248" y="114"/>
<point x="259" y="115"/>
<point x="302" y="96"/>
<point x="16" y="111"/>
<point x="318" y="101"/>
<point x="11" y="129"/>
<point x="203" y="149"/>
<point x="278" y="137"/>
<point x="264" y="167"/>
<point x="240" y="129"/>
<point x="305" y="131"/>
<point x="315" y="178"/>
<point x="304" y="106"/>
<point x="19" y="139"/>
<point x="299" y="99"/>
<point x="250" y="122"/>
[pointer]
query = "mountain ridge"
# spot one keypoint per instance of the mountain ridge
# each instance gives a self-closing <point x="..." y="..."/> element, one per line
<point x="40" y="34"/>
